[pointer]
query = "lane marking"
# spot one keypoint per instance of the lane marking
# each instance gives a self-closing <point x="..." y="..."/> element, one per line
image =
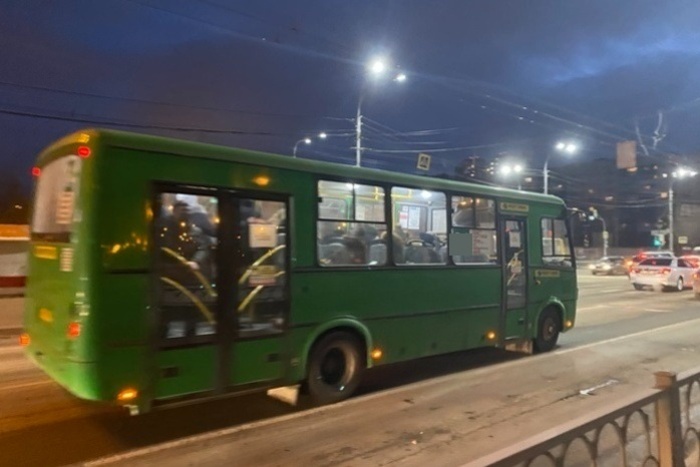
<point x="358" y="400"/>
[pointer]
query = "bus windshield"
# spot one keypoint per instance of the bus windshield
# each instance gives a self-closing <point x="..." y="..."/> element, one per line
<point x="54" y="202"/>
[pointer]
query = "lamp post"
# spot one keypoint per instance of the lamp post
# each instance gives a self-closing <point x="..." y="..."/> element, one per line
<point x="515" y="169"/>
<point x="595" y="216"/>
<point x="677" y="174"/>
<point x="561" y="146"/>
<point x="376" y="68"/>
<point x="307" y="141"/>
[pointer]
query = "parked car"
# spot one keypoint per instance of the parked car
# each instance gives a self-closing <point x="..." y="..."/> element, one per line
<point x="662" y="274"/>
<point x="696" y="284"/>
<point x="609" y="265"/>
<point x="642" y="255"/>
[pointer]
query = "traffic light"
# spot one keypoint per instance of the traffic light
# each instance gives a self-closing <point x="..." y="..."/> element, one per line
<point x="658" y="240"/>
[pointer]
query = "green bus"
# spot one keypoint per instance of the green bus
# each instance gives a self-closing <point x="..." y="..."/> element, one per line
<point x="163" y="270"/>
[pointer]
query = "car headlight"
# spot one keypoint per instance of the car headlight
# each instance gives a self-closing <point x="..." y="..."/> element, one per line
<point x="591" y="266"/>
<point x="607" y="266"/>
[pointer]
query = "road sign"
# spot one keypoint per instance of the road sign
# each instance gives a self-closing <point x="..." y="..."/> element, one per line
<point x="683" y="240"/>
<point x="606" y="235"/>
<point x="660" y="232"/>
<point x="423" y="161"/>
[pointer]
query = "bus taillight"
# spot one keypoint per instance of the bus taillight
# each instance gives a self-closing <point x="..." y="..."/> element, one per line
<point x="84" y="151"/>
<point x="73" y="331"/>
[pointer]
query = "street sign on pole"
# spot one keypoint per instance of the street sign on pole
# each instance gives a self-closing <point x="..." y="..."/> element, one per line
<point x="660" y="232"/>
<point x="683" y="240"/>
<point x="423" y="161"/>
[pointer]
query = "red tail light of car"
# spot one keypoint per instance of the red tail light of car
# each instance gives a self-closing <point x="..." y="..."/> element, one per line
<point x="665" y="271"/>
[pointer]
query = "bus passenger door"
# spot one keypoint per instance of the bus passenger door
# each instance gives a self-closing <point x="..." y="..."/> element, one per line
<point x="255" y="259"/>
<point x="186" y="296"/>
<point x="515" y="273"/>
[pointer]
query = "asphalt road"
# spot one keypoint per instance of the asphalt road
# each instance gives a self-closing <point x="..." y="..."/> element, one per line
<point x="438" y="411"/>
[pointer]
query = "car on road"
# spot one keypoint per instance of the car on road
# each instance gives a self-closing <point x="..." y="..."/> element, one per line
<point x="662" y="274"/>
<point x="609" y="265"/>
<point x="642" y="255"/>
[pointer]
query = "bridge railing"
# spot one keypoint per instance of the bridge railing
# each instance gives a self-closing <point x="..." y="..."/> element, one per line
<point x="656" y="427"/>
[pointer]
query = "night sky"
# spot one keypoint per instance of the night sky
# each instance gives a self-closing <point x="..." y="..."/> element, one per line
<point x="485" y="77"/>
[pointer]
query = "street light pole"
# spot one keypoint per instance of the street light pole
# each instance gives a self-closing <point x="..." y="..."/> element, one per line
<point x="568" y="148"/>
<point x="545" y="175"/>
<point x="358" y="131"/>
<point x="670" y="217"/>
<point x="296" y="145"/>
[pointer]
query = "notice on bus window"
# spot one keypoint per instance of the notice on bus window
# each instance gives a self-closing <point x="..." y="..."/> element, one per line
<point x="262" y="235"/>
<point x="263" y="275"/>
<point x="403" y="217"/>
<point x="413" y="218"/>
<point x="64" y="208"/>
<point x="514" y="239"/>
<point x="482" y="242"/>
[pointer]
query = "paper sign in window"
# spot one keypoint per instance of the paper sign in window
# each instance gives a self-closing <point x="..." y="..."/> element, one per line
<point x="64" y="208"/>
<point x="262" y="235"/>
<point x="514" y="239"/>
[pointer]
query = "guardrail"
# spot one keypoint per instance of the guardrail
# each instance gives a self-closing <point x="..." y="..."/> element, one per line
<point x="657" y="427"/>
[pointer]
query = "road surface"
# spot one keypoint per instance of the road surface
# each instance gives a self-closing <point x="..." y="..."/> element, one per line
<point x="439" y="411"/>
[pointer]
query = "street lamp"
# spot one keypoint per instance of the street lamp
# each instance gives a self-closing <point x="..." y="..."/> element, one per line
<point x="566" y="147"/>
<point x="595" y="216"/>
<point x="307" y="140"/>
<point x="376" y="68"/>
<point x="515" y="169"/>
<point x="679" y="174"/>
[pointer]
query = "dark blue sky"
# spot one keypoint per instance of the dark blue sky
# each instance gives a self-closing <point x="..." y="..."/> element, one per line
<point x="514" y="75"/>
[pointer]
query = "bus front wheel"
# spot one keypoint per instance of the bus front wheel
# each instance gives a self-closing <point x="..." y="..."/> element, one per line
<point x="548" y="329"/>
<point x="335" y="368"/>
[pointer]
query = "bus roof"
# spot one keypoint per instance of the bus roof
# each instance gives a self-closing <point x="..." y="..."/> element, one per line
<point x="115" y="138"/>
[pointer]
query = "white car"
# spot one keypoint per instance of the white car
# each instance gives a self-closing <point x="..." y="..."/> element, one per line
<point x="662" y="274"/>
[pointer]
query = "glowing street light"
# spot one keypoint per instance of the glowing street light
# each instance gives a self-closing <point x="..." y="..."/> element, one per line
<point x="566" y="147"/>
<point x="322" y="135"/>
<point x="306" y="141"/>
<point x="376" y="68"/>
<point x="512" y="169"/>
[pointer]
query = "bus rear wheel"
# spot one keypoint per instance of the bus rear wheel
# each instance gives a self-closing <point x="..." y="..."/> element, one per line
<point x="335" y="368"/>
<point x="548" y="329"/>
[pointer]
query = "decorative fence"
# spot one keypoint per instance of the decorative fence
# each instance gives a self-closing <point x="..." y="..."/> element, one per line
<point x="657" y="427"/>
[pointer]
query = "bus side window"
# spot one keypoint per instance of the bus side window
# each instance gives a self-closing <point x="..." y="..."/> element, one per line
<point x="351" y="229"/>
<point x="555" y="243"/>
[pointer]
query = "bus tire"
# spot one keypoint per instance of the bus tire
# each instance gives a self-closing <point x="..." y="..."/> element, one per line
<point x="336" y="365"/>
<point x="548" y="329"/>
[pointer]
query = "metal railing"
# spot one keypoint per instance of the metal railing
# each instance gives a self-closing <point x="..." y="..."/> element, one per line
<point x="656" y="427"/>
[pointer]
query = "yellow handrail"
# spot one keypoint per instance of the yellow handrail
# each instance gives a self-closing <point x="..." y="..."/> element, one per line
<point x="196" y="273"/>
<point x="197" y="302"/>
<point x="253" y="293"/>
<point x="257" y="262"/>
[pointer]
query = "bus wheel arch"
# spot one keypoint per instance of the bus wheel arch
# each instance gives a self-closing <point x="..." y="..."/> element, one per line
<point x="549" y="327"/>
<point x="334" y="362"/>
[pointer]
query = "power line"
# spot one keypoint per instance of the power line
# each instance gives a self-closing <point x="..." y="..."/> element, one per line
<point x="168" y="104"/>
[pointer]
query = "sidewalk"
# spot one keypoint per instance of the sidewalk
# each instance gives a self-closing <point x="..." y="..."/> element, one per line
<point x="11" y="316"/>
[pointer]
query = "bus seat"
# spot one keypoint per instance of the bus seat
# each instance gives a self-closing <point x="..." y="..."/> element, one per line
<point x="377" y="254"/>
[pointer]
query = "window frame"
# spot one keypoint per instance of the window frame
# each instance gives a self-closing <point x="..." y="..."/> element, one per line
<point x="497" y="217"/>
<point x="570" y="256"/>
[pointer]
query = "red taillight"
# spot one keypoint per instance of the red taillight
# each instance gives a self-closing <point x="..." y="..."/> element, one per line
<point x="84" y="151"/>
<point x="73" y="330"/>
<point x="665" y="271"/>
<point x="24" y="339"/>
<point x="36" y="171"/>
